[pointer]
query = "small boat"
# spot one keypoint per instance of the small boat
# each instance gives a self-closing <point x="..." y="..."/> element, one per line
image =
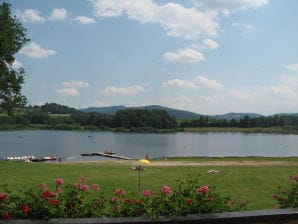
<point x="48" y="158"/>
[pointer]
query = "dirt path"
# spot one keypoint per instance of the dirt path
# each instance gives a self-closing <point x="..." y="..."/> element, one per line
<point x="193" y="163"/>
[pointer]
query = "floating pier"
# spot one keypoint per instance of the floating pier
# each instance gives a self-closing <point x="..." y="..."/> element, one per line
<point x="110" y="155"/>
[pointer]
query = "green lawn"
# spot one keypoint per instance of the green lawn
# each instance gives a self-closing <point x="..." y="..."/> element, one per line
<point x="256" y="184"/>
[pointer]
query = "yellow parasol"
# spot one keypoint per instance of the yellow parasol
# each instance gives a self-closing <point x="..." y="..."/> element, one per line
<point x="144" y="161"/>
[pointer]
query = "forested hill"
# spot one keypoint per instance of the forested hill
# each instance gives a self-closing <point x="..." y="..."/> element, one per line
<point x="181" y="114"/>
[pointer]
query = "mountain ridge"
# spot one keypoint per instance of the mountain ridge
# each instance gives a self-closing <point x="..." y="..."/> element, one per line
<point x="180" y="114"/>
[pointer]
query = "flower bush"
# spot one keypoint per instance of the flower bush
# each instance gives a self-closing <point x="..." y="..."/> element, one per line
<point x="80" y="200"/>
<point x="287" y="196"/>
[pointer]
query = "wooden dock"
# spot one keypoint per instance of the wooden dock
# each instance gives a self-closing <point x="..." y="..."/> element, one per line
<point x="109" y="155"/>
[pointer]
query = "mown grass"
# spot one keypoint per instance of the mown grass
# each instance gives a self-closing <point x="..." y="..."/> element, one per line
<point x="256" y="184"/>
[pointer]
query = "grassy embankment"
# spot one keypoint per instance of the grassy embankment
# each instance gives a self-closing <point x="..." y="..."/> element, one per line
<point x="256" y="184"/>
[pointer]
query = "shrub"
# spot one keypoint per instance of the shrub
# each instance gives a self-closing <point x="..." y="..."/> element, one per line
<point x="80" y="200"/>
<point x="287" y="196"/>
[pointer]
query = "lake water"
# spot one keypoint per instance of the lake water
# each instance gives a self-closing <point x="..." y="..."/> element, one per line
<point x="70" y="144"/>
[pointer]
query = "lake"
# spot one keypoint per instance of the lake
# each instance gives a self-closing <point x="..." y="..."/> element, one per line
<point x="70" y="144"/>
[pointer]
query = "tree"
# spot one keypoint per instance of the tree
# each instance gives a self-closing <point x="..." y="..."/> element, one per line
<point x="12" y="39"/>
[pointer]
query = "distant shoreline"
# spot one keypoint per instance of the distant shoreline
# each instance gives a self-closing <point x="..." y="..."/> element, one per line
<point x="273" y="130"/>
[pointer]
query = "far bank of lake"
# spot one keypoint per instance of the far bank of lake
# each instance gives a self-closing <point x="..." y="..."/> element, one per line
<point x="70" y="144"/>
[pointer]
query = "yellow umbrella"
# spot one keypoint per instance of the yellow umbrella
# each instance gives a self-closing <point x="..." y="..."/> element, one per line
<point x="144" y="161"/>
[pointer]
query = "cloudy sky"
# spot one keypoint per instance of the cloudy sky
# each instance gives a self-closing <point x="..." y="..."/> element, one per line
<point x="205" y="56"/>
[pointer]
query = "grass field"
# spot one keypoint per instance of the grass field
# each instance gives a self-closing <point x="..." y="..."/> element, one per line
<point x="256" y="184"/>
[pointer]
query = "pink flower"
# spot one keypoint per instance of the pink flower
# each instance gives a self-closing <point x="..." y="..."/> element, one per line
<point x="25" y="208"/>
<point x="119" y="191"/>
<point x="83" y="179"/>
<point x="95" y="187"/>
<point x="59" y="181"/>
<point x="43" y="186"/>
<point x="77" y="185"/>
<point x="147" y="193"/>
<point x="166" y="190"/>
<point x="85" y="187"/>
<point x="202" y="189"/>
<point x="115" y="199"/>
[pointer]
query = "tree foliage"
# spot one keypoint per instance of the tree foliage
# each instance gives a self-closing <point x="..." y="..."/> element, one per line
<point x="12" y="39"/>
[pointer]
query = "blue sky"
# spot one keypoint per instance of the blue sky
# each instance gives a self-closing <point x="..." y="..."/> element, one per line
<point x="205" y="56"/>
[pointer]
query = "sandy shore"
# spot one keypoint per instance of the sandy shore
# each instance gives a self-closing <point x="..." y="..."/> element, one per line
<point x="191" y="163"/>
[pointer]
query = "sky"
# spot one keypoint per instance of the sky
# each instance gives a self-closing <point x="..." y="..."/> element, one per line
<point x="205" y="56"/>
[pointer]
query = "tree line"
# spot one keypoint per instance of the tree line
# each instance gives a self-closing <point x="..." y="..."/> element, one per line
<point x="245" y="122"/>
<point x="62" y="117"/>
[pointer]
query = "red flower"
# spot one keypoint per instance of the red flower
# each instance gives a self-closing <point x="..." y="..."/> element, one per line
<point x="166" y="190"/>
<point x="77" y="185"/>
<point x="202" y="189"/>
<point x="83" y="179"/>
<point x="147" y="193"/>
<point x="46" y="194"/>
<point x="7" y="216"/>
<point x="95" y="187"/>
<point x="55" y="202"/>
<point x="25" y="208"/>
<point x="2" y="197"/>
<point x="85" y="187"/>
<point x="119" y="191"/>
<point x="59" y="181"/>
<point x="43" y="186"/>
<point x="115" y="199"/>
<point x="295" y="178"/>
<point x="189" y="201"/>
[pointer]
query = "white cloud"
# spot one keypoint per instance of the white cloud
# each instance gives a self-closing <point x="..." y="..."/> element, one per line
<point x="184" y="55"/>
<point x="30" y="15"/>
<point x="58" y="14"/>
<point x="210" y="44"/>
<point x="178" y="21"/>
<point x="182" y="84"/>
<point x="68" y="92"/>
<point x="16" y="64"/>
<point x="291" y="67"/>
<point x="84" y="20"/>
<point x="126" y="91"/>
<point x="230" y="6"/>
<point x="33" y="50"/>
<point x="194" y="84"/>
<point x="245" y="27"/>
<point x="75" y="84"/>
<point x="211" y="84"/>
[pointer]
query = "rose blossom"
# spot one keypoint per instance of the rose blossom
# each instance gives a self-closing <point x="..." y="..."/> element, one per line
<point x="202" y="189"/>
<point x="59" y="181"/>
<point x="95" y="187"/>
<point x="46" y="194"/>
<point x="2" y="196"/>
<point x="166" y="190"/>
<point x="77" y="185"/>
<point x="55" y="202"/>
<point x="83" y="179"/>
<point x="147" y="193"/>
<point x="189" y="201"/>
<point x="119" y="191"/>
<point x="43" y="186"/>
<point x="85" y="187"/>
<point x="25" y="208"/>
<point x="7" y="216"/>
